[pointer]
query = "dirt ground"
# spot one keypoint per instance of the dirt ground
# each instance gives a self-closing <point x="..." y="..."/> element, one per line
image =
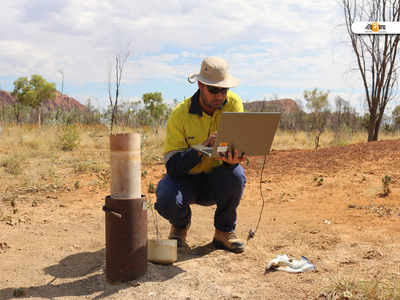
<point x="326" y="205"/>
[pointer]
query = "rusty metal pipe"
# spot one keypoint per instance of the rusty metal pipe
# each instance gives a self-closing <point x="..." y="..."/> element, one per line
<point x="126" y="239"/>
<point x="126" y="212"/>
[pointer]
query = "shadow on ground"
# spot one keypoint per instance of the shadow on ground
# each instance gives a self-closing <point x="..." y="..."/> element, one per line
<point x="187" y="253"/>
<point x="87" y="274"/>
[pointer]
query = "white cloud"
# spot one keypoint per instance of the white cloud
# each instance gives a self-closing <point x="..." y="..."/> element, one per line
<point x="287" y="44"/>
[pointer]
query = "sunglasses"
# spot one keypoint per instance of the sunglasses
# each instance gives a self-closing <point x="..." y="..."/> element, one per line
<point x="216" y="90"/>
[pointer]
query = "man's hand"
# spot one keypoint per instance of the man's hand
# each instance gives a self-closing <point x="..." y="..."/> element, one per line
<point x="210" y="141"/>
<point x="235" y="159"/>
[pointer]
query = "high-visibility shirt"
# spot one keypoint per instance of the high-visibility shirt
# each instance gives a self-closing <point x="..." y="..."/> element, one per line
<point x="189" y="125"/>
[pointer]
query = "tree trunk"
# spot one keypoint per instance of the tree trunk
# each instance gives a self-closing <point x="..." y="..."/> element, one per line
<point x="377" y="126"/>
<point x="38" y="117"/>
<point x="16" y="112"/>
<point x="376" y="132"/>
<point x="371" y="126"/>
<point x="370" y="131"/>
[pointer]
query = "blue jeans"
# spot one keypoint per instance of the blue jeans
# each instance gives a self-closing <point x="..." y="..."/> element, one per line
<point x="223" y="186"/>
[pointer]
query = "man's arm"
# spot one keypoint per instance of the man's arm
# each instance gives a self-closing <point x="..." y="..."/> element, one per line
<point x="179" y="158"/>
<point x="181" y="162"/>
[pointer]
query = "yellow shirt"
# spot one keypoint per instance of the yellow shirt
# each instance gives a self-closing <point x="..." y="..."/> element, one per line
<point x="188" y="125"/>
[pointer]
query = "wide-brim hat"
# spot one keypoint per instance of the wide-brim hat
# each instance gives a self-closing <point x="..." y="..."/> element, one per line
<point x="215" y="72"/>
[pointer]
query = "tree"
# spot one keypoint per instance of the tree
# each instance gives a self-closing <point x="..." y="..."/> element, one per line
<point x="396" y="117"/>
<point x="17" y="109"/>
<point x="376" y="56"/>
<point x="364" y="120"/>
<point x="340" y="108"/>
<point x="153" y="102"/>
<point x="317" y="103"/>
<point x="33" y="92"/>
<point x="120" y="61"/>
<point x="91" y="115"/>
<point x="345" y="115"/>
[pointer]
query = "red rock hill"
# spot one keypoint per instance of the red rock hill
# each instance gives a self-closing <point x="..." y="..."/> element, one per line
<point x="62" y="102"/>
<point x="282" y="105"/>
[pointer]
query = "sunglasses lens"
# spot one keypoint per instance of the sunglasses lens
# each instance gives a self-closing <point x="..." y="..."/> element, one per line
<point x="216" y="90"/>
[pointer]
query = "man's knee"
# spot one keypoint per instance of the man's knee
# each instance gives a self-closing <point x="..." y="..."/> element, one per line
<point x="165" y="196"/>
<point x="232" y="176"/>
<point x="238" y="175"/>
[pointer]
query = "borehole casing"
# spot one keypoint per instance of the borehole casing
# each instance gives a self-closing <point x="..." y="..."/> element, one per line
<point x="126" y="212"/>
<point x="125" y="166"/>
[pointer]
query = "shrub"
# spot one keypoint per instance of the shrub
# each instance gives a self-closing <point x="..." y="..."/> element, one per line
<point x="12" y="164"/>
<point x="81" y="166"/>
<point x="386" y="181"/>
<point x="69" y="138"/>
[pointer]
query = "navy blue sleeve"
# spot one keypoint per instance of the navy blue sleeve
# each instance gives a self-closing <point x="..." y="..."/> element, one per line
<point x="182" y="162"/>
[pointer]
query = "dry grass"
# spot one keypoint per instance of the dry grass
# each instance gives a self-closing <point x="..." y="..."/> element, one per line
<point x="32" y="155"/>
<point x="32" y="161"/>
<point x="357" y="289"/>
<point x="32" y="158"/>
<point x="285" y="140"/>
<point x="51" y="157"/>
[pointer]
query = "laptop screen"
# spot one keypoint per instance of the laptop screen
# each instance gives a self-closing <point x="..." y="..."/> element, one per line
<point x="251" y="133"/>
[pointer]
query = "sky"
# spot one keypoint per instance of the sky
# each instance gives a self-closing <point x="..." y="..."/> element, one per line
<point x="277" y="49"/>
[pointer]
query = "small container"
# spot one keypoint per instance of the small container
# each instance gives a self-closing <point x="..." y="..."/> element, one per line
<point x="162" y="251"/>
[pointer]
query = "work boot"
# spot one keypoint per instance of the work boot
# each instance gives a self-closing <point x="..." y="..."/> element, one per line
<point x="228" y="241"/>
<point x="179" y="234"/>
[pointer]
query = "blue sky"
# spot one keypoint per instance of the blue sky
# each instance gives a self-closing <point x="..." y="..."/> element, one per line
<point x="276" y="48"/>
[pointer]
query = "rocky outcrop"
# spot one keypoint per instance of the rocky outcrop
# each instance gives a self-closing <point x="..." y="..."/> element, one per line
<point x="62" y="102"/>
<point x="281" y="105"/>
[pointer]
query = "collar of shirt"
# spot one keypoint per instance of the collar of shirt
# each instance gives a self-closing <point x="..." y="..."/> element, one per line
<point x="195" y="107"/>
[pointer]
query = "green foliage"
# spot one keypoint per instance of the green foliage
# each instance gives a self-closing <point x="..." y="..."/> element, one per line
<point x="77" y="185"/>
<point x="19" y="292"/>
<point x="388" y="127"/>
<point x="69" y="138"/>
<point x="151" y="189"/>
<point x="92" y="115"/>
<point x="319" y="180"/>
<point x="34" y="91"/>
<point x="317" y="102"/>
<point x="344" y="116"/>
<point x="364" y="120"/>
<point x="144" y="117"/>
<point x="16" y="112"/>
<point x="396" y="116"/>
<point x="153" y="103"/>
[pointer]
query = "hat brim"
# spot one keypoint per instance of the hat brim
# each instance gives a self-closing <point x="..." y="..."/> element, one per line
<point x="228" y="82"/>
